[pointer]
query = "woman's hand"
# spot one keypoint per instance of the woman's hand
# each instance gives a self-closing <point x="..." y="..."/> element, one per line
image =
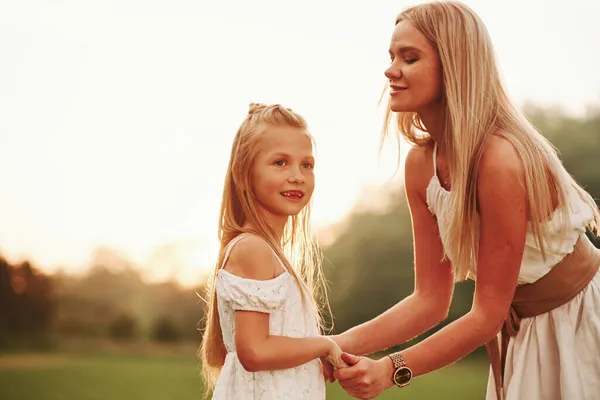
<point x="365" y="378"/>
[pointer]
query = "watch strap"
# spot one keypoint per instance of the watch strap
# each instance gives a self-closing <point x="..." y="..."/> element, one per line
<point x="397" y="360"/>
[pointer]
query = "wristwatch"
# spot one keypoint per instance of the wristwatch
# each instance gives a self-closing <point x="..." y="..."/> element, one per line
<point x="402" y="374"/>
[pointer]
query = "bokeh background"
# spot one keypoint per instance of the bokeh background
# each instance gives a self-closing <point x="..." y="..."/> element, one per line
<point x="116" y="120"/>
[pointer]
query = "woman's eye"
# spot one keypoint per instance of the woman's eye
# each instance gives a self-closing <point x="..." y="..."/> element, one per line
<point x="410" y="60"/>
<point x="308" y="165"/>
<point x="279" y="163"/>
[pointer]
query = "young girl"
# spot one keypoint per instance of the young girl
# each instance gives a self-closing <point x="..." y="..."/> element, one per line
<point x="490" y="201"/>
<point x="262" y="336"/>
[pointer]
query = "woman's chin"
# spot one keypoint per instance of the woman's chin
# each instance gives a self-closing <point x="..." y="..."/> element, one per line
<point x="400" y="108"/>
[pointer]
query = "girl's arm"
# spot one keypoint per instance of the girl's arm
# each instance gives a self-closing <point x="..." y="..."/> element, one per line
<point x="257" y="350"/>
<point x="503" y="225"/>
<point x="434" y="281"/>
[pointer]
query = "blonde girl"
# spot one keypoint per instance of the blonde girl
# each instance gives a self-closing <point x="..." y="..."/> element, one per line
<point x="262" y="338"/>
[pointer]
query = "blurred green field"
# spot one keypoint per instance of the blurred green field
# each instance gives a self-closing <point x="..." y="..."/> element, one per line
<point x="64" y="376"/>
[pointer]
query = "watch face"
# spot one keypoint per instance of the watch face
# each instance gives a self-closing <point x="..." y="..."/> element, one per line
<point x="402" y="376"/>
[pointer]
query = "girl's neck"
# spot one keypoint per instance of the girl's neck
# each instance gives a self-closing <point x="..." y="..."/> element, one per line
<point x="275" y="224"/>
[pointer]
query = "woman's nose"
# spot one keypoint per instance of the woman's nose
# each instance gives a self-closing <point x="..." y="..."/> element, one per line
<point x="393" y="72"/>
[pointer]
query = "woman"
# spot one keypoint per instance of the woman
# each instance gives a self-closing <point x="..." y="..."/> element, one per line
<point x="490" y="201"/>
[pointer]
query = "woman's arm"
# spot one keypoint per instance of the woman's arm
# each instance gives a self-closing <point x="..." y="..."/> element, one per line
<point x="503" y="229"/>
<point x="434" y="282"/>
<point x="503" y="226"/>
<point x="257" y="350"/>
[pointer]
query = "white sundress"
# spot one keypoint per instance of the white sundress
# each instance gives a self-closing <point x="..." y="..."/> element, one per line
<point x="281" y="298"/>
<point x="554" y="356"/>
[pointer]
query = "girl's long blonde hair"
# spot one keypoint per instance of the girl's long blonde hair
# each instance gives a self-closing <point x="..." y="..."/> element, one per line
<point x="475" y="106"/>
<point x="297" y="248"/>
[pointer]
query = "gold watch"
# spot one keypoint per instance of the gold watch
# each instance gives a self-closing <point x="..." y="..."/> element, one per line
<point x="402" y="374"/>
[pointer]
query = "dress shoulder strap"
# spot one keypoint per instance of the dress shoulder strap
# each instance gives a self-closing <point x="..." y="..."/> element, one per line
<point x="230" y="245"/>
<point x="435" y="158"/>
<point x="239" y="237"/>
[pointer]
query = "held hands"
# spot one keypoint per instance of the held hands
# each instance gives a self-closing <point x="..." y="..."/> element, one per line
<point x="365" y="378"/>
<point x="361" y="377"/>
<point x="333" y="360"/>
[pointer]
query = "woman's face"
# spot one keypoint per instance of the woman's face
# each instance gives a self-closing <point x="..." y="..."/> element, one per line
<point x="415" y="73"/>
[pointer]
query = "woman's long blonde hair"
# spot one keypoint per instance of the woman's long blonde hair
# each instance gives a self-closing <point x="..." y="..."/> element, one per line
<point x="475" y="106"/>
<point x="297" y="248"/>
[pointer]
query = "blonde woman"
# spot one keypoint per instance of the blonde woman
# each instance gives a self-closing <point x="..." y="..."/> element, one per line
<point x="490" y="201"/>
<point x="262" y="340"/>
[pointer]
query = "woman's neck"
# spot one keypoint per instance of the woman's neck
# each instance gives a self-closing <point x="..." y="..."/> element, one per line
<point x="433" y="121"/>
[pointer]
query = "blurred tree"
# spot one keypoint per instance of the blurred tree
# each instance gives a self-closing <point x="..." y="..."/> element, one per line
<point x="165" y="330"/>
<point x="90" y="305"/>
<point x="182" y="305"/>
<point x="578" y="141"/>
<point x="124" y="327"/>
<point x="26" y="305"/>
<point x="6" y="301"/>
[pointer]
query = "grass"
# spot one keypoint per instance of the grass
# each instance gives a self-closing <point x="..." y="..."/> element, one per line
<point x="101" y="375"/>
<point x="97" y="377"/>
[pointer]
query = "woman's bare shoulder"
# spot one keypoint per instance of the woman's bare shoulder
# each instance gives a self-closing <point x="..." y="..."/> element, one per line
<point x="418" y="168"/>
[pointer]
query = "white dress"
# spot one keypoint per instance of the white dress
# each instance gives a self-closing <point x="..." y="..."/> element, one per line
<point x="281" y="298"/>
<point x="554" y="355"/>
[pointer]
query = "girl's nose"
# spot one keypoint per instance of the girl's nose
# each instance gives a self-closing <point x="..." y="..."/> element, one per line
<point x="296" y="177"/>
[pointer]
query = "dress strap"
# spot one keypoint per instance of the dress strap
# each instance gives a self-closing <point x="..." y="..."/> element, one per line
<point x="435" y="158"/>
<point x="230" y="245"/>
<point x="280" y="261"/>
<point x="239" y="237"/>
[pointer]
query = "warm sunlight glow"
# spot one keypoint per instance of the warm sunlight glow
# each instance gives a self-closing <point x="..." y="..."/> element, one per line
<point x="118" y="117"/>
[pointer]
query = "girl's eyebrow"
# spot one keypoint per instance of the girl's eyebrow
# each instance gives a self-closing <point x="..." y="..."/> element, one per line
<point x="280" y="154"/>
<point x="285" y="155"/>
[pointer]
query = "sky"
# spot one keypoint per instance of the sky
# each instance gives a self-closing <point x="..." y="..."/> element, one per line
<point x="117" y="117"/>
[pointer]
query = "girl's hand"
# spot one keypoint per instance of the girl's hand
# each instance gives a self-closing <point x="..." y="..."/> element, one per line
<point x="327" y="368"/>
<point x="334" y="355"/>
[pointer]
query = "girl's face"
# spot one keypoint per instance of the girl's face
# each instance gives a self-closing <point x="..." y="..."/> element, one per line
<point x="415" y="72"/>
<point x="282" y="175"/>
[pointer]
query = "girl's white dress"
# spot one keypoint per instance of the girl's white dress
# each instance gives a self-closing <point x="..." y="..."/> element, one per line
<point x="281" y="298"/>
<point x="555" y="355"/>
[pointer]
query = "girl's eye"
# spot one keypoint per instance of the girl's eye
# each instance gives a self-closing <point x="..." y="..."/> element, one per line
<point x="410" y="60"/>
<point x="308" y="165"/>
<point x="279" y="163"/>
